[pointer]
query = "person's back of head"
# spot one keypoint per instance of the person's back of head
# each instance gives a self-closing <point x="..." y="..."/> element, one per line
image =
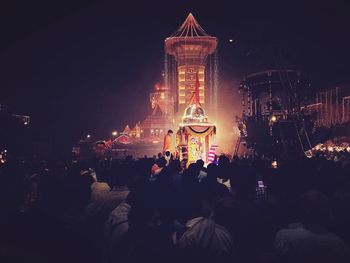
<point x="167" y="154"/>
<point x="200" y="163"/>
<point x="161" y="162"/>
<point x="175" y="166"/>
<point x="212" y="171"/>
<point x="224" y="167"/>
<point x="193" y="170"/>
<point x="223" y="160"/>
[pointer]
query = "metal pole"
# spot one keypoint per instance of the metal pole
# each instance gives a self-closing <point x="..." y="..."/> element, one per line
<point x="321" y="110"/>
<point x="243" y="99"/>
<point x="343" y="110"/>
<point x="270" y="93"/>
<point x="337" y="105"/>
<point x="249" y="103"/>
<point x="331" y="106"/>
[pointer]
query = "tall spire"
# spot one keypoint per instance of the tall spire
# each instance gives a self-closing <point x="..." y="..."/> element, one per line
<point x="190" y="28"/>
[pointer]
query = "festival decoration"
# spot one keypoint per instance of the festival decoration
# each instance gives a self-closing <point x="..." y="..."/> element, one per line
<point x="195" y="136"/>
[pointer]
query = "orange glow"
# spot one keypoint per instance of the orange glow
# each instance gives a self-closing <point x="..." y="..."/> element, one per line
<point x="273" y="118"/>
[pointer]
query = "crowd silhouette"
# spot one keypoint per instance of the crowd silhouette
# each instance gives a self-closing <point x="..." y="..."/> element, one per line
<point x="161" y="210"/>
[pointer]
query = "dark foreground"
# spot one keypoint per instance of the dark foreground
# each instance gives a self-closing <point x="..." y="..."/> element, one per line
<point x="145" y="211"/>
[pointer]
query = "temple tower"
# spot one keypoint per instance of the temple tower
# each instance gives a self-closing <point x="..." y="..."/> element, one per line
<point x="190" y="46"/>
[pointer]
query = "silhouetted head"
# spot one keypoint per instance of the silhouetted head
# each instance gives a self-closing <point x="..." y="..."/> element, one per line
<point x="193" y="170"/>
<point x="212" y="170"/>
<point x="100" y="149"/>
<point x="161" y="162"/>
<point x="200" y="163"/>
<point x="175" y="166"/>
<point x="223" y="161"/>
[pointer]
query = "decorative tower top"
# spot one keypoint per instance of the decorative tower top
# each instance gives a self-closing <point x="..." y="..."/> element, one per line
<point x="190" y="34"/>
<point x="190" y="28"/>
<point x="190" y="46"/>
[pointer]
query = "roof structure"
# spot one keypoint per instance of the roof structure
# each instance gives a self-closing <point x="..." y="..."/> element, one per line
<point x="190" y="28"/>
<point x="157" y="111"/>
<point x="190" y="38"/>
<point x="126" y="129"/>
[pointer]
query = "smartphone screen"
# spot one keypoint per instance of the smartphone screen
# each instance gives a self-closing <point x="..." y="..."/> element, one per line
<point x="261" y="184"/>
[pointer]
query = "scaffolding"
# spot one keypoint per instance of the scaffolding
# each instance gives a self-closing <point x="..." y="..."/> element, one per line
<point x="273" y="123"/>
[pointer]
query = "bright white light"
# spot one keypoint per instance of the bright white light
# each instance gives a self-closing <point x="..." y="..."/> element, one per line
<point x="114" y="133"/>
<point x="230" y="40"/>
<point x="274" y="164"/>
<point x="88" y="136"/>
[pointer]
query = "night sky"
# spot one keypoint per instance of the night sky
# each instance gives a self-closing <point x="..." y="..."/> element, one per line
<point x="79" y="67"/>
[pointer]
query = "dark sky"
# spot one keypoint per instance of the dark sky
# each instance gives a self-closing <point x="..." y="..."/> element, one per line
<point x="81" y="67"/>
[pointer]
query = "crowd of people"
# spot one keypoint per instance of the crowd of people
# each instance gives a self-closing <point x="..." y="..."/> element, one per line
<point x="161" y="209"/>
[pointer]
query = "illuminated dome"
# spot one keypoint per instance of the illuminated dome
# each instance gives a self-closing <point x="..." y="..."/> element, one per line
<point x="194" y="113"/>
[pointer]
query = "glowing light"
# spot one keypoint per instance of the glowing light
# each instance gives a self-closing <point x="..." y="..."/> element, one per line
<point x="273" y="118"/>
<point x="230" y="40"/>
<point x="274" y="164"/>
<point x="338" y="148"/>
<point x="318" y="147"/>
<point x="25" y="123"/>
<point x="330" y="148"/>
<point x="308" y="154"/>
<point x="348" y="149"/>
<point x="114" y="133"/>
<point x="88" y="136"/>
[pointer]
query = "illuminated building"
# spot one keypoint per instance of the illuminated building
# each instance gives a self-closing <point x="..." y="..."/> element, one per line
<point x="190" y="46"/>
<point x="190" y="59"/>
<point x="161" y="118"/>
